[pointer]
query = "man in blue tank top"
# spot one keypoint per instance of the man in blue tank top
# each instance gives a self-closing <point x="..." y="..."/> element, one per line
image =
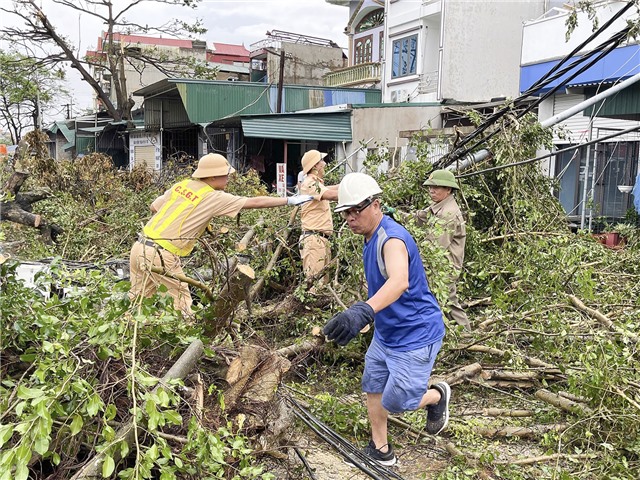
<point x="407" y="318"/>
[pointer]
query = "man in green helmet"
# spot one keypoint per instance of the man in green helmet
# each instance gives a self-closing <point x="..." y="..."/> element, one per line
<point x="445" y="212"/>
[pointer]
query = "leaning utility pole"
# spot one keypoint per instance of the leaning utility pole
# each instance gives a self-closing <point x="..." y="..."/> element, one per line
<point x="280" y="81"/>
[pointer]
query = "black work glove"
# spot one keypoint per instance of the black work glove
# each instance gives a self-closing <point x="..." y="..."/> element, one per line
<point x="345" y="325"/>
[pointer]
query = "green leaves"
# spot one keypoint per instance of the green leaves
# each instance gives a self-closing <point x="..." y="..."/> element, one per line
<point x="108" y="466"/>
<point x="29" y="393"/>
<point x="76" y="424"/>
<point x="6" y="431"/>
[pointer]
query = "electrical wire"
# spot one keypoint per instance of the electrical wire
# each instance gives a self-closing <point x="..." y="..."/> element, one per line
<point x="553" y="74"/>
<point x="552" y="154"/>
<point x="612" y="44"/>
<point x="342" y="446"/>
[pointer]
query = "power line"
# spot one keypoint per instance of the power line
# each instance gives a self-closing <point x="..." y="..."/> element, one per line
<point x="552" y="154"/>
<point x="553" y="74"/>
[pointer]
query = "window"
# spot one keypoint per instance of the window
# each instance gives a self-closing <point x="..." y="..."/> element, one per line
<point x="363" y="50"/>
<point x="371" y="20"/>
<point x="405" y="52"/>
<point x="616" y="164"/>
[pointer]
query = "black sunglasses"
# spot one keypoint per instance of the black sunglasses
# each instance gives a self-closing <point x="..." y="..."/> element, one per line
<point x="355" y="211"/>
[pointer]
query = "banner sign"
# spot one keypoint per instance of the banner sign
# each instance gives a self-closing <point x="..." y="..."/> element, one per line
<point x="281" y="179"/>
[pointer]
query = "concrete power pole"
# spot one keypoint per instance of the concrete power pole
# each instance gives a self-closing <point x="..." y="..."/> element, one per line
<point x="280" y="81"/>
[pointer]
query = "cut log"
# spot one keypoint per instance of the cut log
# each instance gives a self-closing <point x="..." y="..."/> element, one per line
<point x="93" y="468"/>
<point x="459" y="375"/>
<point x="520" y="432"/>
<point x="573" y="397"/>
<point x="254" y="375"/>
<point x="501" y="412"/>
<point x="300" y="348"/>
<point x="512" y="376"/>
<point x="19" y="209"/>
<point x="241" y="246"/>
<point x="603" y="319"/>
<point x="562" y="403"/>
<point x="547" y="458"/>
<point x="511" y="384"/>
<point x="484" y="349"/>
<point x="531" y="361"/>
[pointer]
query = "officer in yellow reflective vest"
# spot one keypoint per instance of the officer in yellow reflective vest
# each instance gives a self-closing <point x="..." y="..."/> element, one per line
<point x="181" y="216"/>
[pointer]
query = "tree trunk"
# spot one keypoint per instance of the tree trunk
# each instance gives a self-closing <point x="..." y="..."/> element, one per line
<point x="76" y="63"/>
<point x="235" y="291"/>
<point x="19" y="209"/>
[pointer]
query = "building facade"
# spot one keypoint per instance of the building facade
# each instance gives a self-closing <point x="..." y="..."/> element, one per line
<point x="430" y="56"/>
<point x="294" y="59"/>
<point x="151" y="59"/>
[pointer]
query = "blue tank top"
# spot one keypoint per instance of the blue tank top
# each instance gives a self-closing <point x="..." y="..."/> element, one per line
<point x="415" y="319"/>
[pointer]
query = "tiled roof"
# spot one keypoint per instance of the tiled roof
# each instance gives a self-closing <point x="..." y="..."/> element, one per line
<point x="168" y="42"/>
<point x="229" y="49"/>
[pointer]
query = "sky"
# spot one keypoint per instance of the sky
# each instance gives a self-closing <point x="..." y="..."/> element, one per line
<point x="227" y="21"/>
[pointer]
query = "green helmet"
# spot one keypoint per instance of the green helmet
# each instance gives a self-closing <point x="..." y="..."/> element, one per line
<point x="442" y="178"/>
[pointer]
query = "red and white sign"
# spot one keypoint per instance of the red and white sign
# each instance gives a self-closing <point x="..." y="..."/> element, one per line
<point x="281" y="179"/>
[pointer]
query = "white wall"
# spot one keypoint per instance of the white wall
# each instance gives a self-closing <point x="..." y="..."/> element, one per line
<point x="482" y="47"/>
<point x="404" y="19"/>
<point x="576" y="128"/>
<point x="472" y="47"/>
<point x="544" y="39"/>
<point x="384" y="124"/>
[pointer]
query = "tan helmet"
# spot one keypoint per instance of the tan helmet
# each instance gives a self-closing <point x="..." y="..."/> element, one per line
<point x="310" y="158"/>
<point x="213" y="165"/>
<point x="354" y="189"/>
<point x="442" y="178"/>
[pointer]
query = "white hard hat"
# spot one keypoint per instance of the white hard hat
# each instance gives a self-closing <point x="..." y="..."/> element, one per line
<point x="354" y="189"/>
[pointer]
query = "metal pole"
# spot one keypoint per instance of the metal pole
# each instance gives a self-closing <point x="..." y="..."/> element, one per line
<point x="585" y="186"/>
<point x="348" y="156"/>
<point x="593" y="177"/>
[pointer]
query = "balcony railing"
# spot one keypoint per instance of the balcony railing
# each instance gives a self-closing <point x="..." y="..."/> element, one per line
<point x="428" y="82"/>
<point x="356" y="75"/>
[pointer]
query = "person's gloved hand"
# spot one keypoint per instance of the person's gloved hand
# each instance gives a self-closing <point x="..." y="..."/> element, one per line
<point x="387" y="210"/>
<point x="298" y="199"/>
<point x="344" y="327"/>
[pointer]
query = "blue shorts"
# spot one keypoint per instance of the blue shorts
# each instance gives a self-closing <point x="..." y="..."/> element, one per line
<point x="401" y="377"/>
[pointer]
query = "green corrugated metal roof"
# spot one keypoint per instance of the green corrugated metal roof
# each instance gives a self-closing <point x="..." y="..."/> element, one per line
<point x="69" y="135"/>
<point x="333" y="127"/>
<point x="624" y="105"/>
<point x="207" y="101"/>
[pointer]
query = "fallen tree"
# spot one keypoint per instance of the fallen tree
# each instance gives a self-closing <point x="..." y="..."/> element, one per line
<point x="540" y="376"/>
<point x="17" y="207"/>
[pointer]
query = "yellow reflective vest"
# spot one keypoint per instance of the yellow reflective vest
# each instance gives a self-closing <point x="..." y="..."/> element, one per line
<point x="166" y="224"/>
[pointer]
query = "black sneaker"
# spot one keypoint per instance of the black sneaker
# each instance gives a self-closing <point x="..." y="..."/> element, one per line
<point x="387" y="458"/>
<point x="438" y="414"/>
